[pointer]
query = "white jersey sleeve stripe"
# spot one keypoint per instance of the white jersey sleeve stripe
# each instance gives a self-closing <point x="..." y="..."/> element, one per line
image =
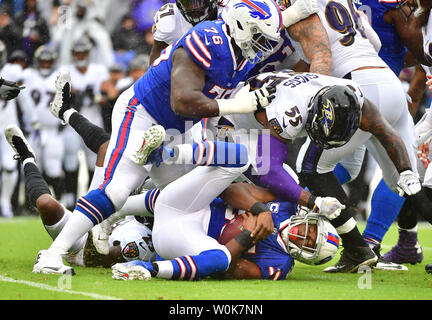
<point x="201" y="45"/>
<point x="195" y="52"/>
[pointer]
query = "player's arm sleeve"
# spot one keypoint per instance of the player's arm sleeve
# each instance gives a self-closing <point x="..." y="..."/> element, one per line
<point x="202" y="54"/>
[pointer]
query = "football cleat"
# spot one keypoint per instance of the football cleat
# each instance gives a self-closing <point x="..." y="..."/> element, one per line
<point x="51" y="263"/>
<point x="382" y="264"/>
<point x="18" y="142"/>
<point x="407" y="249"/>
<point x="133" y="270"/>
<point x="152" y="139"/>
<point x="352" y="258"/>
<point x="61" y="101"/>
<point x="100" y="237"/>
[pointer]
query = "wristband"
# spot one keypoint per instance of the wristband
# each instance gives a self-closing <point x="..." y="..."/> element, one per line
<point x="244" y="239"/>
<point x="258" y="207"/>
<point x="311" y="203"/>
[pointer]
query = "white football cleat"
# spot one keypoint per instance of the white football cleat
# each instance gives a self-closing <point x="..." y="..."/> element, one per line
<point x="152" y="139"/>
<point x="100" y="237"/>
<point x="50" y="263"/>
<point x="18" y="142"/>
<point x="61" y="101"/>
<point x="381" y="265"/>
<point x="132" y="270"/>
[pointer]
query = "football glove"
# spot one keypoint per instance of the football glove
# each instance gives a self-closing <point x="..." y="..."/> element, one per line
<point x="246" y="101"/>
<point x="9" y="89"/>
<point x="300" y="10"/>
<point x="408" y="183"/>
<point x="329" y="207"/>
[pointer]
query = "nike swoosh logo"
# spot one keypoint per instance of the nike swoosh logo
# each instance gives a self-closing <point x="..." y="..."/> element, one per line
<point x="206" y="41"/>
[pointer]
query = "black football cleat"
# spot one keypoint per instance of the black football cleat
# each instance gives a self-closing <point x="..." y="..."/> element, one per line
<point x="352" y="258"/>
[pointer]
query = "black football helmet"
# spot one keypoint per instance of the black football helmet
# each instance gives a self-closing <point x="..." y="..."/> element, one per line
<point x="196" y="11"/>
<point x="333" y="117"/>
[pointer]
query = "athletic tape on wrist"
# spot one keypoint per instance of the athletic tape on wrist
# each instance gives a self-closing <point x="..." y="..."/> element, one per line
<point x="244" y="239"/>
<point x="258" y="207"/>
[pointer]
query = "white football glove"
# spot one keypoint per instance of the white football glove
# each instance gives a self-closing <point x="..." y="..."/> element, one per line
<point x="329" y="207"/>
<point x="409" y="183"/>
<point x="246" y="101"/>
<point x="300" y="10"/>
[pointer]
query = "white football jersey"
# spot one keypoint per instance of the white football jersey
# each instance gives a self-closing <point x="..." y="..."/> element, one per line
<point x="350" y="47"/>
<point x="42" y="91"/>
<point x="287" y="113"/>
<point x="91" y="80"/>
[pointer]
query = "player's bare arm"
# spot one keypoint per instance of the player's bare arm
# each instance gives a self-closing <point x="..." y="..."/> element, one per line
<point x="244" y="196"/>
<point x="373" y="122"/>
<point x="187" y="83"/>
<point x="313" y="38"/>
<point x="156" y="50"/>
<point x="410" y="33"/>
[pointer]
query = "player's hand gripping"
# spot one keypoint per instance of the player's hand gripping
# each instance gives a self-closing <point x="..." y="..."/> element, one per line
<point x="246" y="101"/>
<point x="329" y="207"/>
<point x="9" y="89"/>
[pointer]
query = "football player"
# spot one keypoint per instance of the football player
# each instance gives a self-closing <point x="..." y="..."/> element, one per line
<point x="48" y="142"/>
<point x="187" y="82"/>
<point x="129" y="239"/>
<point x="355" y="57"/>
<point x="86" y="80"/>
<point x="313" y="109"/>
<point x="13" y="71"/>
<point x="186" y="239"/>
<point x="174" y="20"/>
<point x="390" y="21"/>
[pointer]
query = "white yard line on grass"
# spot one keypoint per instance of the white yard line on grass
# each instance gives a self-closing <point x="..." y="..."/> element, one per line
<point x="57" y="289"/>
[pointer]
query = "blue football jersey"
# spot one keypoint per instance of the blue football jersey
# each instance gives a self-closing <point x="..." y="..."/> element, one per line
<point x="270" y="255"/>
<point x="392" y="50"/>
<point x="209" y="45"/>
<point x="282" y="50"/>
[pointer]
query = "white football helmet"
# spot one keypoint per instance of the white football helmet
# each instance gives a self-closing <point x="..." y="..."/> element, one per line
<point x="254" y="25"/>
<point x="326" y="244"/>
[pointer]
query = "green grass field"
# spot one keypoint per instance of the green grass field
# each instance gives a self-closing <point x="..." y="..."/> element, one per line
<point x="22" y="237"/>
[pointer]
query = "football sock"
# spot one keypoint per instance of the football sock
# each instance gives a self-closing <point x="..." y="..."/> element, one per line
<point x="92" y="135"/>
<point x="35" y="184"/>
<point x="209" y="153"/>
<point x="385" y="207"/>
<point x="76" y="226"/>
<point x="341" y="174"/>
<point x="55" y="229"/>
<point x="192" y="267"/>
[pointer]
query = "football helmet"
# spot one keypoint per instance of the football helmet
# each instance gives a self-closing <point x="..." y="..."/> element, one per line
<point x="81" y="52"/>
<point x="45" y="57"/>
<point x="255" y="27"/>
<point x="195" y="11"/>
<point x="333" y="116"/>
<point x="300" y="230"/>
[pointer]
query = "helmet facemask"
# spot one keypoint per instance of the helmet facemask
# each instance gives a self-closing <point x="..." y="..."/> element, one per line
<point x="306" y="238"/>
<point x="258" y="47"/>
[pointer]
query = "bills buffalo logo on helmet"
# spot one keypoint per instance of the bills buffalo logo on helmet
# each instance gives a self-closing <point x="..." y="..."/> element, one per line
<point x="131" y="250"/>
<point x="258" y="10"/>
<point x="327" y="117"/>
